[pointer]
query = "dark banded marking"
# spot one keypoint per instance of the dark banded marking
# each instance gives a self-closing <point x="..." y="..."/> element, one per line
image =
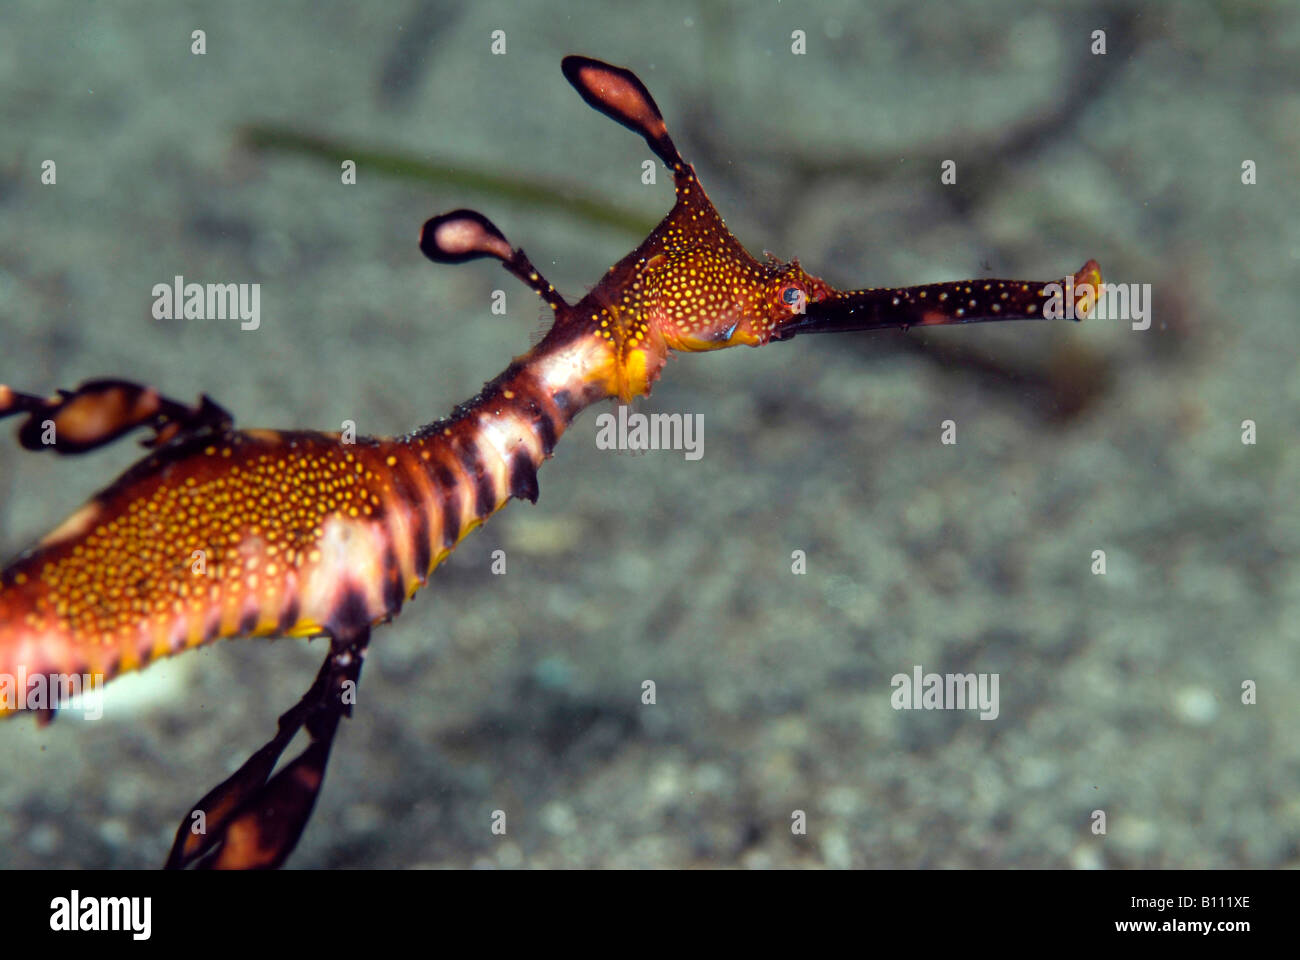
<point x="449" y="495"/>
<point x="423" y="543"/>
<point x="564" y="403"/>
<point x="394" y="593"/>
<point x="407" y="489"/>
<point x="248" y="622"/>
<point x="471" y="458"/>
<point x="289" y="615"/>
<point x="530" y="399"/>
<point x="545" y="427"/>
<point x="523" y="476"/>
<point x="351" y="613"/>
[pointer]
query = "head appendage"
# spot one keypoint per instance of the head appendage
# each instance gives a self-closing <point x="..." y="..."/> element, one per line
<point x="463" y="235"/>
<point x="620" y="95"/>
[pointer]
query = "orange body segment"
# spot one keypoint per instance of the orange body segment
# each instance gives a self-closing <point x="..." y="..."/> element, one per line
<point x="263" y="532"/>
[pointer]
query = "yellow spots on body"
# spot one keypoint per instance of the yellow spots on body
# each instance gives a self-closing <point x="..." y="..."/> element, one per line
<point x="174" y="546"/>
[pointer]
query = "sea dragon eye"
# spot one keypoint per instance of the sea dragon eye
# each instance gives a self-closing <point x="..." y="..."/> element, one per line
<point x="794" y="297"/>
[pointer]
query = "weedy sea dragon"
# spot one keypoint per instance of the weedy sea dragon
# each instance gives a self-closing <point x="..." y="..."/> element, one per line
<point x="306" y="535"/>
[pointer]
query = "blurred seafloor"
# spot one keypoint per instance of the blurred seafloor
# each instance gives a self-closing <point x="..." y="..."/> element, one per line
<point x="522" y="692"/>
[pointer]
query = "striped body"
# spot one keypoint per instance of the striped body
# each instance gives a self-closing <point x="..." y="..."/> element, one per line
<point x="262" y="532"/>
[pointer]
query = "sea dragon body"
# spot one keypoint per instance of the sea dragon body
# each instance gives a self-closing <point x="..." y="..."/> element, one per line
<point x="221" y="532"/>
<point x="226" y="533"/>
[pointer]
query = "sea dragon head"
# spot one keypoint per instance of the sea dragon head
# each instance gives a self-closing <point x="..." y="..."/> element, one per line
<point x="691" y="286"/>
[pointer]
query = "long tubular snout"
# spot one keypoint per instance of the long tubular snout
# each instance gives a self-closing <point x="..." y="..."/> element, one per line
<point x="961" y="301"/>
